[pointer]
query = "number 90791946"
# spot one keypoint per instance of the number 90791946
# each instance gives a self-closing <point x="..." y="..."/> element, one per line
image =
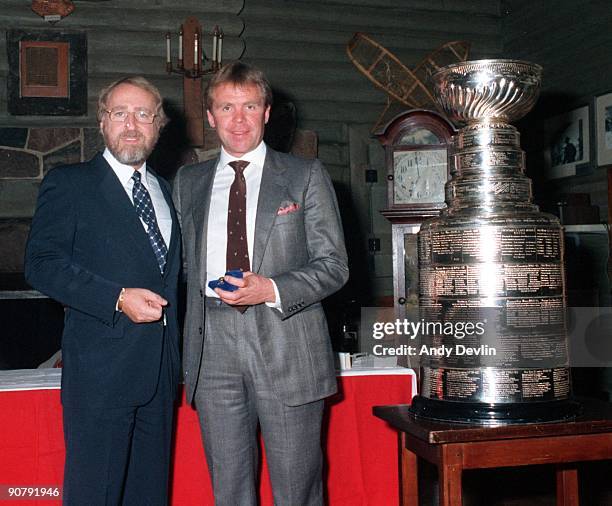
<point x="27" y="492"/>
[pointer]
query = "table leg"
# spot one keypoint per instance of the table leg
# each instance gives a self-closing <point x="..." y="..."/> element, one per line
<point x="450" y="485"/>
<point x="567" y="486"/>
<point x="409" y="486"/>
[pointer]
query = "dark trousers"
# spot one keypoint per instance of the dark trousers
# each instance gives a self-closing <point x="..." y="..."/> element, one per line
<point x="120" y="456"/>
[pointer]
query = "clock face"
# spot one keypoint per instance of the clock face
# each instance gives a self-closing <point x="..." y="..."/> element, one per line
<point x="419" y="176"/>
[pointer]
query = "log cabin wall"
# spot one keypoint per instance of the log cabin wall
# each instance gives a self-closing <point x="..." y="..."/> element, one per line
<point x="301" y="46"/>
<point x="571" y="40"/>
<point x="124" y="37"/>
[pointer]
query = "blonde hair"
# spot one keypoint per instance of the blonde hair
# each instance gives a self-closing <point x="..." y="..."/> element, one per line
<point x="240" y="74"/>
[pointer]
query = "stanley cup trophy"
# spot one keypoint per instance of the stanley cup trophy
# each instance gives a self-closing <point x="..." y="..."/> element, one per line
<point x="492" y="286"/>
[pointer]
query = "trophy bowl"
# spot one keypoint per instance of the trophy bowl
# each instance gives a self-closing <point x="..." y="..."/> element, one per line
<point x="481" y="90"/>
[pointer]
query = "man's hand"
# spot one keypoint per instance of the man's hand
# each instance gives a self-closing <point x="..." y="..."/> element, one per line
<point x="142" y="306"/>
<point x="252" y="289"/>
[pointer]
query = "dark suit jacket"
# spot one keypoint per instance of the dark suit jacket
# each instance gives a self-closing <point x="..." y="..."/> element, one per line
<point x="85" y="244"/>
<point x="299" y="242"/>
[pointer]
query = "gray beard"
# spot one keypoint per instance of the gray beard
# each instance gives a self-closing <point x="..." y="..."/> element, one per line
<point x="131" y="155"/>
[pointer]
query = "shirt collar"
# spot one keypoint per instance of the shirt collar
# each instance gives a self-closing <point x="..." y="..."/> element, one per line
<point x="256" y="157"/>
<point x="124" y="172"/>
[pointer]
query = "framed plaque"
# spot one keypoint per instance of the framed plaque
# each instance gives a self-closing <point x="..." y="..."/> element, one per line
<point x="47" y="73"/>
<point x="43" y="68"/>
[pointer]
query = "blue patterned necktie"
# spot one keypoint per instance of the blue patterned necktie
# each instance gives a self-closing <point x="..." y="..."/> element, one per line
<point x="146" y="212"/>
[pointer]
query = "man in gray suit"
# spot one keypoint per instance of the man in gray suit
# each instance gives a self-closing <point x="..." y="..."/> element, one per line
<point x="262" y="352"/>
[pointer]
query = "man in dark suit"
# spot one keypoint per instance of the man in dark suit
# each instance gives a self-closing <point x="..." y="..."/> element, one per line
<point x="105" y="243"/>
<point x="261" y="353"/>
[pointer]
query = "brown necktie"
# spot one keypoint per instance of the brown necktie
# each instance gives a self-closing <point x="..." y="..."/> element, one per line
<point x="237" y="256"/>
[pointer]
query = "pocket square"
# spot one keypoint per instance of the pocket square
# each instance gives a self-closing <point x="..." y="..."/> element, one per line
<point x="289" y="208"/>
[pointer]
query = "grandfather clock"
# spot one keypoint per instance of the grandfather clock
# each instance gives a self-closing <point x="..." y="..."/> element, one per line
<point x="416" y="146"/>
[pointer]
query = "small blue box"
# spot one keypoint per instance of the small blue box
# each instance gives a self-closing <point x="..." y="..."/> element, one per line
<point x="224" y="285"/>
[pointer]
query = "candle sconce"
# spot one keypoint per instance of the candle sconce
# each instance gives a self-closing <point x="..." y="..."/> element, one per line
<point x="192" y="59"/>
<point x="193" y="65"/>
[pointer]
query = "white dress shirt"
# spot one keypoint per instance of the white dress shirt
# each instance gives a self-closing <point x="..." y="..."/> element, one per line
<point x="162" y="211"/>
<point x="216" y="235"/>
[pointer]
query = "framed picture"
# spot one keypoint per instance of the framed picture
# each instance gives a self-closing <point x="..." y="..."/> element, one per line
<point x="610" y="208"/>
<point x="603" y="128"/>
<point x="47" y="73"/>
<point x="568" y="142"/>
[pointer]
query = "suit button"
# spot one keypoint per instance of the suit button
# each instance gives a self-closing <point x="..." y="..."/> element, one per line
<point x="201" y="293"/>
<point x="200" y="330"/>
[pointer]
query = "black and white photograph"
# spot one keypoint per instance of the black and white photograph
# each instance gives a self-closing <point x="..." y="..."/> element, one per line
<point x="305" y="253"/>
<point x="603" y="128"/>
<point x="568" y="142"/>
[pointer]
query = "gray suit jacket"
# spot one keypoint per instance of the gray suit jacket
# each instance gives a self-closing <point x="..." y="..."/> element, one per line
<point x="303" y="251"/>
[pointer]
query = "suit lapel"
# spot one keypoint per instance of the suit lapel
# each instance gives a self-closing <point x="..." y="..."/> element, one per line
<point x="175" y="234"/>
<point x="271" y="193"/>
<point x="121" y="213"/>
<point x="201" y="189"/>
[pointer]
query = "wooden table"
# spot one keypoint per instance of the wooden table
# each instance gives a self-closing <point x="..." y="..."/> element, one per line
<point x="455" y="447"/>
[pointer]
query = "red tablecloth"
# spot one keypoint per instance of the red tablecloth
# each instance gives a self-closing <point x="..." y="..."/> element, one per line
<point x="361" y="451"/>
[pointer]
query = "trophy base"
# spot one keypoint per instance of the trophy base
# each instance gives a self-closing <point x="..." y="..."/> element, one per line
<point x="479" y="413"/>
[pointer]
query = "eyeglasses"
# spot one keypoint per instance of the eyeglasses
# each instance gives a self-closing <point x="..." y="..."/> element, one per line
<point x="140" y="115"/>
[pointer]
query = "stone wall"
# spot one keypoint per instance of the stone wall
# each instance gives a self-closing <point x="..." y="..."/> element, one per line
<point x="301" y="47"/>
<point x="26" y="154"/>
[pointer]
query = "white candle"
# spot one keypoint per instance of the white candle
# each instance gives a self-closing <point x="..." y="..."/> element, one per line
<point x="214" y="51"/>
<point x="180" y="56"/>
<point x="220" y="47"/>
<point x="168" y="60"/>
<point x="195" y="50"/>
